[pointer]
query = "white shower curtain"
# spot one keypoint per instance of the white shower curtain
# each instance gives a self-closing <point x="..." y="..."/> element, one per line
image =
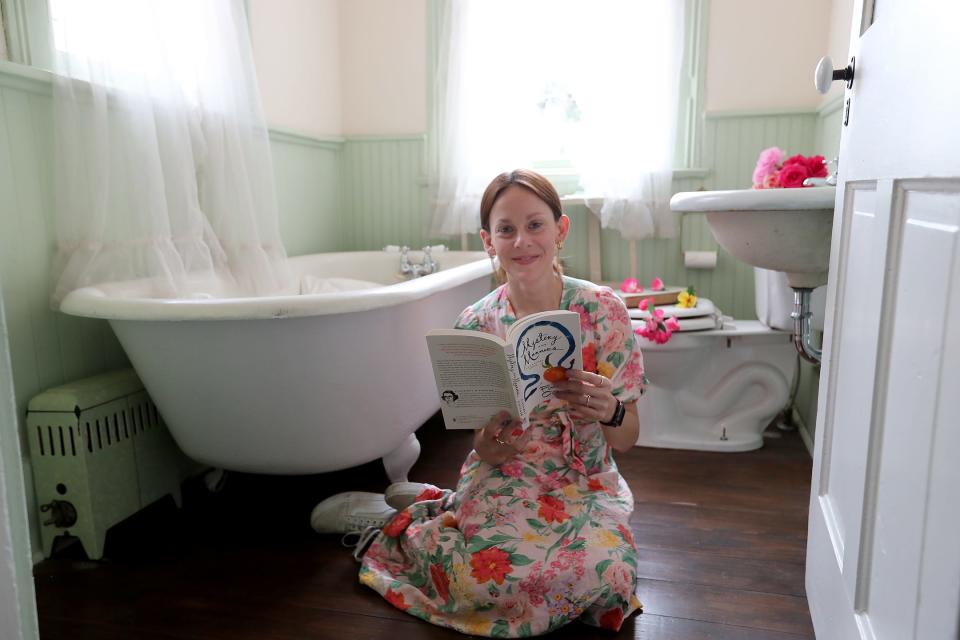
<point x="619" y="61"/>
<point x="163" y="166"/>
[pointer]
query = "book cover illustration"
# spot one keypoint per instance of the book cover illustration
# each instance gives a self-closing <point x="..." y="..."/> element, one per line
<point x="545" y="349"/>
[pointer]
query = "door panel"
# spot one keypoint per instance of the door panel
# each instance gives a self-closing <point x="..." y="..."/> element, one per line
<point x="896" y="521"/>
<point x="844" y="458"/>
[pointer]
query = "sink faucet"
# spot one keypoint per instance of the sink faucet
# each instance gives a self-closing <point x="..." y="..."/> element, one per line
<point x="830" y="180"/>
<point x="427" y="265"/>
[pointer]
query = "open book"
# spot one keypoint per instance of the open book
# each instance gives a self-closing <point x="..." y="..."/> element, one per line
<point x="478" y="374"/>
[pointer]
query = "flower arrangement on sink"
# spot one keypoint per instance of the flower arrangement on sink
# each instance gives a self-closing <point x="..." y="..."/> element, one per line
<point x="773" y="172"/>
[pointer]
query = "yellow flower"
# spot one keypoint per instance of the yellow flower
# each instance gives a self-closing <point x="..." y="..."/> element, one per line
<point x="367" y="577"/>
<point x="686" y="299"/>
<point x="532" y="537"/>
<point x="571" y="490"/>
<point x="606" y="538"/>
<point x="460" y="581"/>
<point x="476" y="624"/>
<point x="606" y="369"/>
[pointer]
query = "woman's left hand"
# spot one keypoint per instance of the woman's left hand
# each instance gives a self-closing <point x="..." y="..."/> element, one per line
<point x="589" y="395"/>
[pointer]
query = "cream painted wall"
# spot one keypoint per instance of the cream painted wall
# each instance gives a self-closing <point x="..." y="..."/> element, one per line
<point x="838" y="42"/>
<point x="761" y="54"/>
<point x="383" y="52"/>
<point x="296" y="49"/>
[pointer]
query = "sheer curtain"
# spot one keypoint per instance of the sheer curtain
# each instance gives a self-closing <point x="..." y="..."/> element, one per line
<point x="595" y="84"/>
<point x="163" y="166"/>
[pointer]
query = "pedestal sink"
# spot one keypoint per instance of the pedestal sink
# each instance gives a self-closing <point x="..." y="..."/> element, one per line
<point x="780" y="229"/>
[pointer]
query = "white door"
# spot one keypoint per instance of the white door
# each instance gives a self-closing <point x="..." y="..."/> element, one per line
<point x="883" y="555"/>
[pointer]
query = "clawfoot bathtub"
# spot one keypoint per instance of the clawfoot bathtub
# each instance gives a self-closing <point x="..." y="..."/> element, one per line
<point x="298" y="382"/>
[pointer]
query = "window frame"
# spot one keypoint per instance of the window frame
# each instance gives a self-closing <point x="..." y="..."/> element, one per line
<point x="29" y="37"/>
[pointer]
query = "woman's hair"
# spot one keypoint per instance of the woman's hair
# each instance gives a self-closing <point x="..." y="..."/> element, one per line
<point x="530" y="180"/>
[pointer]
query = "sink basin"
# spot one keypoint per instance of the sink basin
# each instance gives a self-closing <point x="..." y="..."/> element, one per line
<point x="780" y="229"/>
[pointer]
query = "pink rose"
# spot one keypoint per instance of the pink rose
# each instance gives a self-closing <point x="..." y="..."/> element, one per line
<point x="656" y="284"/>
<point x="771" y="181"/>
<point x="768" y="163"/>
<point x="793" y="175"/>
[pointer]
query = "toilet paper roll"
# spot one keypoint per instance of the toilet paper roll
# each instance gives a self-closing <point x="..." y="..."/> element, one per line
<point x="700" y="259"/>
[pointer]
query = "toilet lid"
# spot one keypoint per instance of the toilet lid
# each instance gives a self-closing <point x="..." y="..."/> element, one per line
<point x="703" y="316"/>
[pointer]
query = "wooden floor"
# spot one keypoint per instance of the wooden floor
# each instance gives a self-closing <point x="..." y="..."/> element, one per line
<point x="721" y="542"/>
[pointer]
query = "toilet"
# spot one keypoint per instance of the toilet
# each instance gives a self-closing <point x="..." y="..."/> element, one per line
<point x="719" y="381"/>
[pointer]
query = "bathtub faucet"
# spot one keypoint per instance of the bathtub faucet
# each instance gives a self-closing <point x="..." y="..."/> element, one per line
<point x="427" y="265"/>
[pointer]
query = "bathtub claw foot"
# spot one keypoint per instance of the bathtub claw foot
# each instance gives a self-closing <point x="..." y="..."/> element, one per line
<point x="398" y="462"/>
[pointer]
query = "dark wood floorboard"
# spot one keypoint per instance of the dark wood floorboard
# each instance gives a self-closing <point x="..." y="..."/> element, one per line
<point x="721" y="540"/>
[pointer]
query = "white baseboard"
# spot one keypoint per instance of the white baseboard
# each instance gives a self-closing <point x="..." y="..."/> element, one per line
<point x="802" y="428"/>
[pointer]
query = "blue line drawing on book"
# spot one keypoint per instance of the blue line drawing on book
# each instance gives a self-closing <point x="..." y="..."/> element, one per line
<point x="533" y="351"/>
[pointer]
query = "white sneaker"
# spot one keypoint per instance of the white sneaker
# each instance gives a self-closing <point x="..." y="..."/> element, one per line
<point x="351" y="511"/>
<point x="401" y="495"/>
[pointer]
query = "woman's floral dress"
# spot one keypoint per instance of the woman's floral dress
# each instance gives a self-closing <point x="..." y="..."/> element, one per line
<point x="541" y="540"/>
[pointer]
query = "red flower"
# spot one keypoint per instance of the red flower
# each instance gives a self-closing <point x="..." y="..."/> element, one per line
<point x="399" y="523"/>
<point x="551" y="509"/>
<point x="816" y="167"/>
<point x="793" y="175"/>
<point x="626" y="533"/>
<point x="589" y="355"/>
<point x="440" y="581"/>
<point x="430" y="492"/>
<point x="612" y="620"/>
<point x="490" y="564"/>
<point x="396" y="599"/>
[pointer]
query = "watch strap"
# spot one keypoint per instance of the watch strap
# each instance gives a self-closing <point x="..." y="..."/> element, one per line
<point x="618" y="415"/>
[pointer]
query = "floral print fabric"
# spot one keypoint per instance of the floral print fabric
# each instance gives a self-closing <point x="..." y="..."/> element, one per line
<point x="543" y="539"/>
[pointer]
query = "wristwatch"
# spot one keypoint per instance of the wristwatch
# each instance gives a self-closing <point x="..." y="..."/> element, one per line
<point x="618" y="415"/>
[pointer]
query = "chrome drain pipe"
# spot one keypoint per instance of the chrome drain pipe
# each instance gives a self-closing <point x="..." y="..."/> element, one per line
<point x="802" y="329"/>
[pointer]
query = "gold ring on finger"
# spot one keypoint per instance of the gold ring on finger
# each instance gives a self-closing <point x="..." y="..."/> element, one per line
<point x="498" y="440"/>
<point x="588" y="399"/>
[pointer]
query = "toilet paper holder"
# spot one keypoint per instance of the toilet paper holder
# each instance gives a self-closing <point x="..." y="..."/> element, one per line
<point x="700" y="259"/>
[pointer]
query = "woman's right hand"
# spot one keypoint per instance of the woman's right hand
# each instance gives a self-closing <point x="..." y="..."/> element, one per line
<point x="500" y="439"/>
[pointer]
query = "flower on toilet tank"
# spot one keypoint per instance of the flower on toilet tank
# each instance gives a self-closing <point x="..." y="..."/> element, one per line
<point x="630" y="285"/>
<point x="656" y="328"/>
<point x="687" y="299"/>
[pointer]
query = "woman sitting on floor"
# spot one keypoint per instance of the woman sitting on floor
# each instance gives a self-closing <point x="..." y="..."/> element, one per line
<point x="536" y="534"/>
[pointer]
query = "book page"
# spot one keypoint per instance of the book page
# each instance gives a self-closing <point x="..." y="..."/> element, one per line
<point x="472" y="378"/>
<point x="544" y="341"/>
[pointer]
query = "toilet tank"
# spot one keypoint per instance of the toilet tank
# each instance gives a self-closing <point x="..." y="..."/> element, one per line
<point x="774" y="299"/>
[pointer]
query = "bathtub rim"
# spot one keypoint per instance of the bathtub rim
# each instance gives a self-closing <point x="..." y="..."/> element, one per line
<point x="93" y="302"/>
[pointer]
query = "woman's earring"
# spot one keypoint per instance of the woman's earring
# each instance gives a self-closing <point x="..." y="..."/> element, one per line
<point x="559" y="246"/>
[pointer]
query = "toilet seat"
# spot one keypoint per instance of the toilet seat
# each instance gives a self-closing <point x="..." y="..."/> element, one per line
<point x="702" y="317"/>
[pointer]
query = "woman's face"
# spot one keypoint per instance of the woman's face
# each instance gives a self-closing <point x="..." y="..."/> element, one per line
<point x="524" y="235"/>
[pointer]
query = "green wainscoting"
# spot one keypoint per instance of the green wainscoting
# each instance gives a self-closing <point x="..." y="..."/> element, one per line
<point x="384" y="193"/>
<point x="307" y="173"/>
<point x="829" y="125"/>
<point x="48" y="348"/>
